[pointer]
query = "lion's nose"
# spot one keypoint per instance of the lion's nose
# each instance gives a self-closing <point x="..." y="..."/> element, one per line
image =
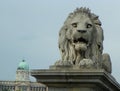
<point x="81" y="31"/>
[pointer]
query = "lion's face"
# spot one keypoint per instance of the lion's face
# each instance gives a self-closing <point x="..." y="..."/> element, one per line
<point x="81" y="32"/>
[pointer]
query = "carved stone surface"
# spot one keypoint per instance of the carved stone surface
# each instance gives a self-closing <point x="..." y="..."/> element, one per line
<point x="67" y="79"/>
<point x="81" y="42"/>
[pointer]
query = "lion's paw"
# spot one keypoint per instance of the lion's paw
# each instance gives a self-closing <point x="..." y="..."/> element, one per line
<point x="63" y="63"/>
<point x="86" y="63"/>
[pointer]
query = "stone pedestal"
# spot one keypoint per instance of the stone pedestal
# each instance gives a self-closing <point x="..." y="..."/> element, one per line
<point x="70" y="79"/>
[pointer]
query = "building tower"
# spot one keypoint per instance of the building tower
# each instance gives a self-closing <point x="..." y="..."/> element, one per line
<point x="22" y="73"/>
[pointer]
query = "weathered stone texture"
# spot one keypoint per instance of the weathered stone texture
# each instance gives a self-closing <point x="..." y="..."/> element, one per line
<point x="76" y="80"/>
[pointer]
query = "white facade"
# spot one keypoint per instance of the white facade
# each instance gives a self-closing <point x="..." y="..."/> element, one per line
<point x="22" y="75"/>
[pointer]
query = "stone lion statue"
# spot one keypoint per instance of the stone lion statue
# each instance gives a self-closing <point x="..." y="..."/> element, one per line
<point x="81" y="41"/>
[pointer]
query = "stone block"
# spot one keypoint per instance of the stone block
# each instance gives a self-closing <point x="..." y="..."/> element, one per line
<point x="76" y="79"/>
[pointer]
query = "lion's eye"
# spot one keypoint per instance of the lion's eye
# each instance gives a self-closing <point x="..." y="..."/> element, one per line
<point x="74" y="24"/>
<point x="89" y="26"/>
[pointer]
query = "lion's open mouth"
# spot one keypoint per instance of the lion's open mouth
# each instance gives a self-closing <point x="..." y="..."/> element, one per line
<point x="80" y="40"/>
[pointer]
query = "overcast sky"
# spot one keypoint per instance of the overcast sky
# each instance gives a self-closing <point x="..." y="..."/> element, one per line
<point x="29" y="30"/>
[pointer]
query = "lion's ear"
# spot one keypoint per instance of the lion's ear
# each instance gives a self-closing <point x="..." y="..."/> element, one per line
<point x="96" y="20"/>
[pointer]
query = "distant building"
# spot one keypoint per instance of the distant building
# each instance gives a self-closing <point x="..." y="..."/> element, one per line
<point x="22" y="81"/>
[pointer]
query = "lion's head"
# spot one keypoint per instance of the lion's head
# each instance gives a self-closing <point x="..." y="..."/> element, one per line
<point x="81" y="37"/>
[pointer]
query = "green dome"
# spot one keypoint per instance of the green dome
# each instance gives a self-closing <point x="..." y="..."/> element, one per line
<point x="23" y="65"/>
